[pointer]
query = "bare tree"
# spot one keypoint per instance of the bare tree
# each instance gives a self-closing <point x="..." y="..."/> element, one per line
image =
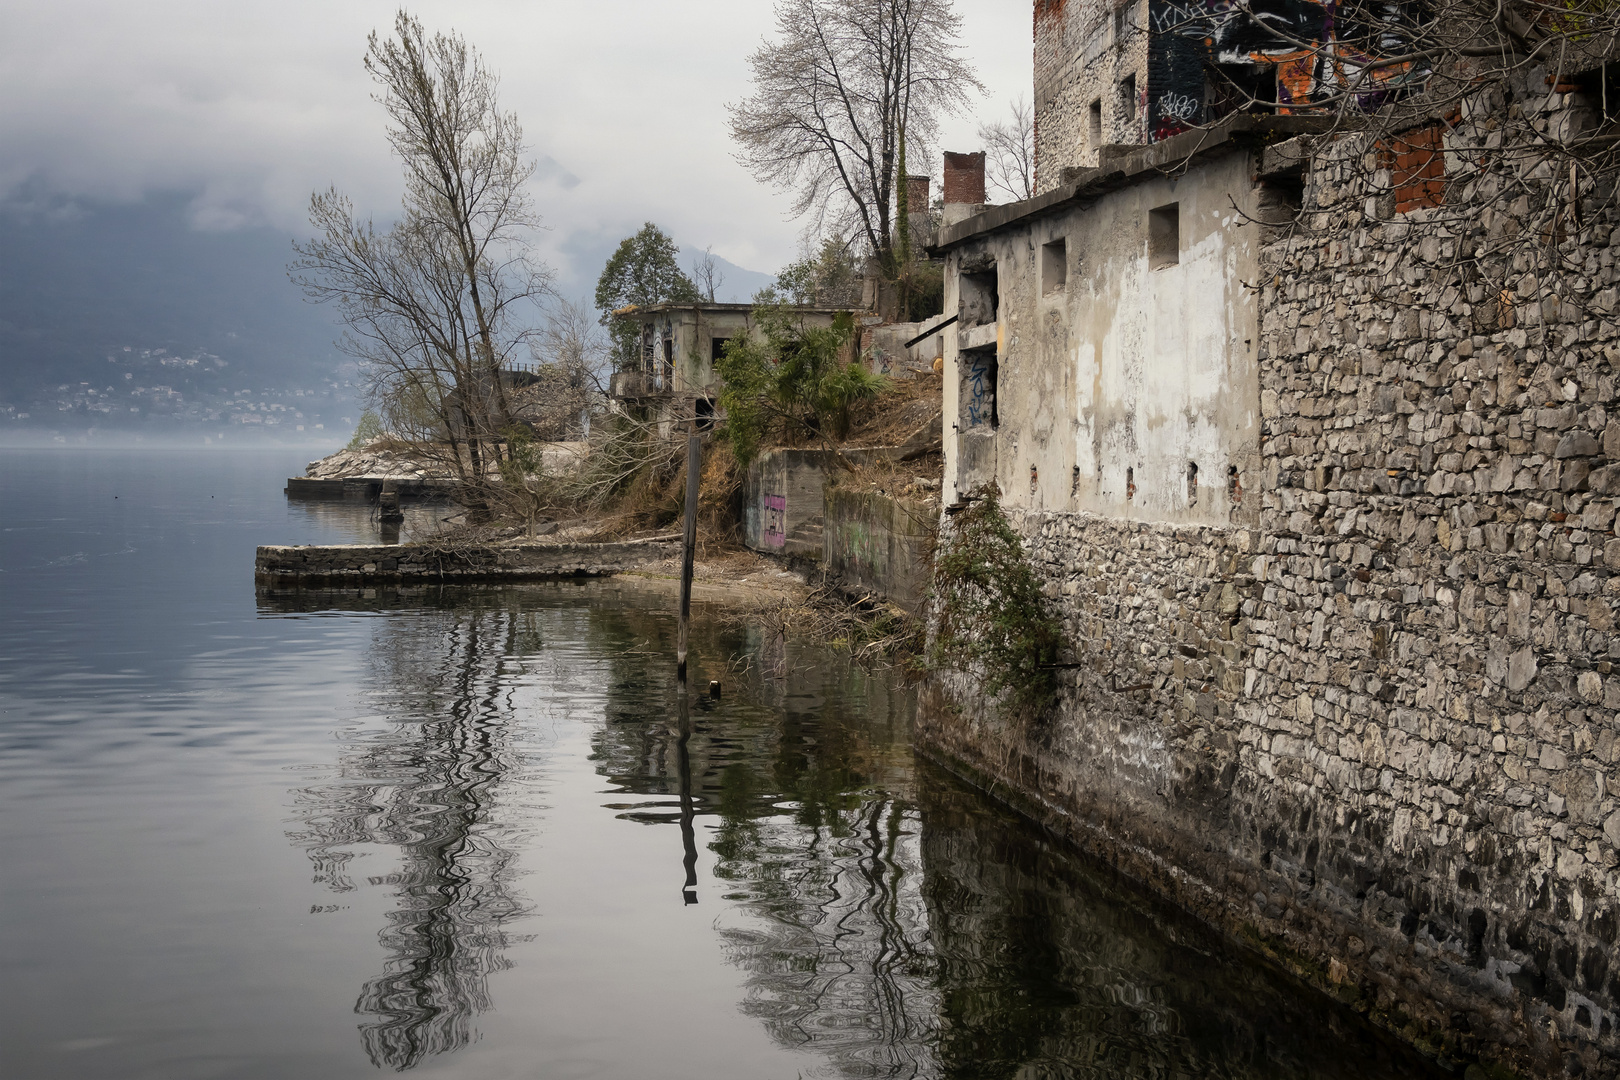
<point x="438" y="304"/>
<point x="836" y="100"/>
<point x="1010" y="152"/>
<point x="706" y="274"/>
<point x="566" y="388"/>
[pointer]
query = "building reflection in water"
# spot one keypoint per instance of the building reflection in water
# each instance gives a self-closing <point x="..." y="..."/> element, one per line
<point x="434" y="785"/>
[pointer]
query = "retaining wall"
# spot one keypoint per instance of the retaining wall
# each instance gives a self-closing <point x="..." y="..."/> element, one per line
<point x="362" y="564"/>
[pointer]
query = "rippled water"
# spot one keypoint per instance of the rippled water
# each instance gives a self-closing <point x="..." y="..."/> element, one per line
<point x="475" y="833"/>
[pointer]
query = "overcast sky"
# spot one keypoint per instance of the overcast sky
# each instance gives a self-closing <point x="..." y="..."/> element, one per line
<point x="253" y="105"/>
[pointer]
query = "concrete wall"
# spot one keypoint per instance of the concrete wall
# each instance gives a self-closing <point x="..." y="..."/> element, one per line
<point x="880" y="544"/>
<point x="783" y="506"/>
<point x="1117" y="388"/>
<point x="343" y="565"/>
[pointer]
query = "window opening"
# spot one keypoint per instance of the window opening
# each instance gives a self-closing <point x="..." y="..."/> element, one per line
<point x="703" y="412"/>
<point x="1192" y="483"/>
<point x="1130" y="484"/>
<point x="717" y="347"/>
<point x="979" y="300"/>
<point x="1054" y="265"/>
<point x="1164" y="236"/>
<point x="1096" y="124"/>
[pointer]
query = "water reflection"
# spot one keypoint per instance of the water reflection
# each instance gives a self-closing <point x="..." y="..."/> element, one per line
<point x="433" y="786"/>
<point x="885" y="919"/>
<point x="804" y="774"/>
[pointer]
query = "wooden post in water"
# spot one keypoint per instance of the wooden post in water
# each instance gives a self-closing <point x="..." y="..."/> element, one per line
<point x="694" y="465"/>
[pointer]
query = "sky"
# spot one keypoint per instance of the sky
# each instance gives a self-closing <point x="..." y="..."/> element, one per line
<point x="251" y="106"/>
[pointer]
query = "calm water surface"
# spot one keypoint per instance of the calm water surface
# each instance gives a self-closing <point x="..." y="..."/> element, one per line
<point x="472" y="833"/>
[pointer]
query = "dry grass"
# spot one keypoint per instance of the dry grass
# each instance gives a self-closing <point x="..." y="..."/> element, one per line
<point x="898" y="412"/>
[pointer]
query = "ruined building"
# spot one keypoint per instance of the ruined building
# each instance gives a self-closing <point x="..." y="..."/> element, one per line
<point x="1320" y="473"/>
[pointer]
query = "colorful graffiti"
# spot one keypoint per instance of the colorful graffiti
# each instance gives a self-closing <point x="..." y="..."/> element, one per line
<point x="1290" y="54"/>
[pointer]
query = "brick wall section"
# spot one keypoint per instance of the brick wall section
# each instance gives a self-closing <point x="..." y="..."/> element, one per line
<point x="964" y="178"/>
<point x="1418" y="169"/>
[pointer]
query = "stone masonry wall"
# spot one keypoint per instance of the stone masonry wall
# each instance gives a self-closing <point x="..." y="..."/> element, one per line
<point x="1377" y="735"/>
<point x="1083" y="52"/>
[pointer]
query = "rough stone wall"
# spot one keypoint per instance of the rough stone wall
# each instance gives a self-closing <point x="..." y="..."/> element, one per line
<point x="1082" y="56"/>
<point x="1377" y="731"/>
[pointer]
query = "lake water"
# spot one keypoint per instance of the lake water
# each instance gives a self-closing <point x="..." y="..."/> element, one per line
<point x="473" y="833"/>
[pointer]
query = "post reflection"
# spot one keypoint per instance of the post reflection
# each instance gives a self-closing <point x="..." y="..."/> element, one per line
<point x="431" y="786"/>
<point x="800" y="781"/>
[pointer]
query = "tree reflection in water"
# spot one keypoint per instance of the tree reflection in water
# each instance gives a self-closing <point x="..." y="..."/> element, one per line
<point x="434" y="785"/>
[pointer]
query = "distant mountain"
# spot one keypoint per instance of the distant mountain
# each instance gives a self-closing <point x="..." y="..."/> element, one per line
<point x="121" y="315"/>
<point x="80" y="283"/>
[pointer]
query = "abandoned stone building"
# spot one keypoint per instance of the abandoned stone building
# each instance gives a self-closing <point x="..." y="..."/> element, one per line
<point x="1330" y="532"/>
<point x="675" y="378"/>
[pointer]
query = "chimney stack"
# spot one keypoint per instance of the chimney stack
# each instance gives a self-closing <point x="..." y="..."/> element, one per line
<point x="964" y="178"/>
<point x="917" y="194"/>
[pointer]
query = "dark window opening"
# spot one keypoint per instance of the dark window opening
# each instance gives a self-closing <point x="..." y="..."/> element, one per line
<point x="1599" y="90"/>
<point x="703" y="411"/>
<point x="1095" y="130"/>
<point x="1054" y="265"/>
<point x="1130" y="484"/>
<point x="717" y="348"/>
<point x="1192" y="483"/>
<point x="1122" y="21"/>
<point x="1164" y="236"/>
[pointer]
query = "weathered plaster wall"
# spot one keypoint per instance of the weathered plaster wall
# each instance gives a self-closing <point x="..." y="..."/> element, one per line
<point x="1128" y="390"/>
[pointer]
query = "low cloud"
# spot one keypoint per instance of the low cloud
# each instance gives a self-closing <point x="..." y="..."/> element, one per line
<point x="252" y="107"/>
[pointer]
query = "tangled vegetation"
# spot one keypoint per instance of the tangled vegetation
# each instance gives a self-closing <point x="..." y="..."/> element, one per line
<point x="990" y="623"/>
<point x="796" y="382"/>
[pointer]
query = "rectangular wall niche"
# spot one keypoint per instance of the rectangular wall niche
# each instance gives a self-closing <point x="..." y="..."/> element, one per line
<point x="1095" y="130"/>
<point x="1054" y="265"/>
<point x="1164" y="236"/>
<point x="978" y="296"/>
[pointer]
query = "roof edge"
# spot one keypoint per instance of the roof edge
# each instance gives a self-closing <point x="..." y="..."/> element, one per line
<point x="1239" y="132"/>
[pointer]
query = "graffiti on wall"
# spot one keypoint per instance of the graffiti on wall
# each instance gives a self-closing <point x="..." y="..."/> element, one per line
<point x="979" y="388"/>
<point x="1291" y="52"/>
<point x="774" y="520"/>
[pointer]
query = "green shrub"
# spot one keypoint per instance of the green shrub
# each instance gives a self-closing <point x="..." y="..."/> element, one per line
<point x="990" y="621"/>
<point x="793" y="383"/>
<point x="367" y="431"/>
